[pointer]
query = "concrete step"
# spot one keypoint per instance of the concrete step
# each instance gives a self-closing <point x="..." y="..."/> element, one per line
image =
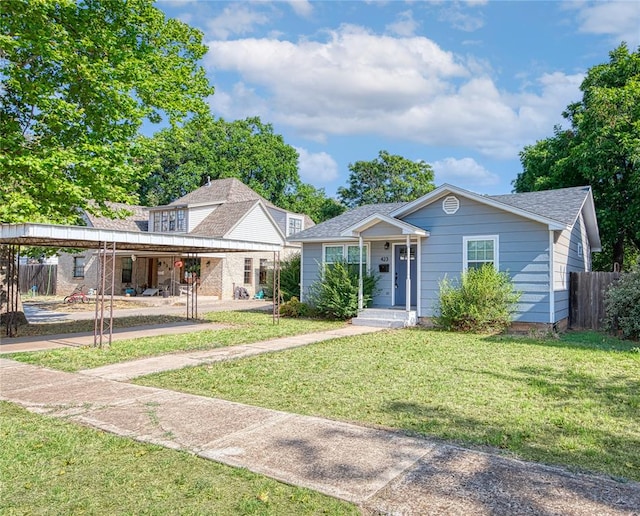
<point x="381" y="318"/>
<point x="378" y="323"/>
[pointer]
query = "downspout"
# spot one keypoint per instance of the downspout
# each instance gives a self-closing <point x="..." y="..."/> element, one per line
<point x="408" y="283"/>
<point x="360" y="282"/>
<point x="552" y="298"/>
<point x="301" y="272"/>
<point x="418" y="275"/>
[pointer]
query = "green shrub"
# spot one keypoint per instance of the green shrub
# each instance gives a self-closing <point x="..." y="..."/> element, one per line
<point x="482" y="301"/>
<point x="295" y="308"/>
<point x="622" y="305"/>
<point x="335" y="293"/>
<point x="289" y="278"/>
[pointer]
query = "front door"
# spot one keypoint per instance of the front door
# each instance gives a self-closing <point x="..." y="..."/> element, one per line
<point x="401" y="258"/>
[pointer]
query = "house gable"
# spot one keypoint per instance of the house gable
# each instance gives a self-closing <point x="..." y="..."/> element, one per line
<point x="523" y="251"/>
<point x="258" y="225"/>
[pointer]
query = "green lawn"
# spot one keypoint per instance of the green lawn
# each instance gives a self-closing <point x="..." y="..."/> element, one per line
<point x="49" y="466"/>
<point x="573" y="401"/>
<point x="246" y="327"/>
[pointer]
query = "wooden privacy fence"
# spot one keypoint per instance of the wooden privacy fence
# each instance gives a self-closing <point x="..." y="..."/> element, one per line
<point x="43" y="277"/>
<point x="586" y="298"/>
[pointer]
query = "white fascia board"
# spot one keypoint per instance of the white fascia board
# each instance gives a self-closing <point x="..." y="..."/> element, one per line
<point x="74" y="234"/>
<point x="372" y="220"/>
<point x="446" y="188"/>
<point x="319" y="240"/>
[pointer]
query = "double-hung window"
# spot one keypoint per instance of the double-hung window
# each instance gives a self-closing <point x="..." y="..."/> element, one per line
<point x="333" y="253"/>
<point x="295" y="225"/>
<point x="78" y="266"/>
<point x="480" y="250"/>
<point x="248" y="271"/>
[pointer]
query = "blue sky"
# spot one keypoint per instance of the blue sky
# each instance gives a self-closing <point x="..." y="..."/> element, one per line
<point x="463" y="86"/>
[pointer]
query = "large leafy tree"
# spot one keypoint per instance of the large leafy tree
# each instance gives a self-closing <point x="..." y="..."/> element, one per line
<point x="79" y="78"/>
<point x="183" y="158"/>
<point x="601" y="149"/>
<point x="315" y="203"/>
<point x="388" y="178"/>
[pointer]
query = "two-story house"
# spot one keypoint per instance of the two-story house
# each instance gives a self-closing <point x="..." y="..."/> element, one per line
<point x="224" y="208"/>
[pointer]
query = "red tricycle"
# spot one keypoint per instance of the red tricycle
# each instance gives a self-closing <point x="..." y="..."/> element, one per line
<point x="77" y="296"/>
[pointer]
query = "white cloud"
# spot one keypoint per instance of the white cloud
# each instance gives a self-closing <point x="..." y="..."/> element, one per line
<point x="241" y="102"/>
<point x="235" y="19"/>
<point x="404" y="25"/>
<point x="461" y="19"/>
<point x="620" y="20"/>
<point x="465" y="170"/>
<point x="301" y="7"/>
<point x="357" y="83"/>
<point x="316" y="168"/>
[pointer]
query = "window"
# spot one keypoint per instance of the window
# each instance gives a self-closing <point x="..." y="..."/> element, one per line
<point x="181" y="224"/>
<point x="248" y="270"/>
<point x="580" y="252"/>
<point x="333" y="253"/>
<point x="262" y="274"/>
<point x="336" y="253"/>
<point x="78" y="266"/>
<point x="127" y="270"/>
<point x="295" y="225"/>
<point x="480" y="250"/>
<point x="353" y="254"/>
<point x="169" y="221"/>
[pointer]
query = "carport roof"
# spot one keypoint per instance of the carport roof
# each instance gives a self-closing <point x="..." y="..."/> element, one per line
<point x="81" y="237"/>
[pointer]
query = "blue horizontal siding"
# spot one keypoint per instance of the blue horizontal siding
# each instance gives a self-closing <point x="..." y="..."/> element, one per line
<point x="523" y="253"/>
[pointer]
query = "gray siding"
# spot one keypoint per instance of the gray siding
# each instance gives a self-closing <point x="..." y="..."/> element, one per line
<point x="382" y="256"/>
<point x="311" y="260"/>
<point x="523" y="252"/>
<point x="566" y="260"/>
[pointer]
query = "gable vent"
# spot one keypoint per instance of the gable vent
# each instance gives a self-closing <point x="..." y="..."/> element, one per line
<point x="450" y="205"/>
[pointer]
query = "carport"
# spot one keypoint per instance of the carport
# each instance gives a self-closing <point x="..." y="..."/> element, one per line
<point x="106" y="242"/>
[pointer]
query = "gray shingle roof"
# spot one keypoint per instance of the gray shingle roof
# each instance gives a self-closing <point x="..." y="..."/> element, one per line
<point x="562" y="205"/>
<point x="333" y="227"/>
<point x="223" y="219"/>
<point x="220" y="190"/>
<point x="137" y="221"/>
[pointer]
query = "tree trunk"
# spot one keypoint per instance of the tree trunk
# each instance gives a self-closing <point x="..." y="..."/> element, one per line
<point x="618" y="253"/>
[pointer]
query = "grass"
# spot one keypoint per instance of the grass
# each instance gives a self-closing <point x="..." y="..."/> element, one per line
<point x="62" y="328"/>
<point x="246" y="327"/>
<point x="50" y="466"/>
<point x="572" y="401"/>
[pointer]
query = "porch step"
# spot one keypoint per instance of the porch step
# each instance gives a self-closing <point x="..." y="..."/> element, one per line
<point x="381" y="318"/>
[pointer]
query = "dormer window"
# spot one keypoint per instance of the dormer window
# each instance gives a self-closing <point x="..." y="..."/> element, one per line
<point x="167" y="221"/>
<point x="294" y="226"/>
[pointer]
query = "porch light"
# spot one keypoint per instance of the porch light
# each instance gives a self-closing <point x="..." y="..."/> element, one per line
<point x="386" y="245"/>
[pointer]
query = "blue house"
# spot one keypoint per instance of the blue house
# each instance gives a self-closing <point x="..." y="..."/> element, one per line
<point x="537" y="237"/>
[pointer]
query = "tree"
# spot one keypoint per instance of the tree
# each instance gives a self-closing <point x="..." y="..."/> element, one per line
<point x="180" y="159"/>
<point x="388" y="178"/>
<point x="315" y="203"/>
<point x="601" y="149"/>
<point x="79" y="79"/>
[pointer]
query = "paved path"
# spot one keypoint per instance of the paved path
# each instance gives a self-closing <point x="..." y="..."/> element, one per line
<point x="128" y="370"/>
<point x="46" y="342"/>
<point x="384" y="472"/>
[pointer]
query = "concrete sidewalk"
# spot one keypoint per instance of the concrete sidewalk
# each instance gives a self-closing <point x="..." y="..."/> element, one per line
<point x="128" y="370"/>
<point x="385" y="472"/>
<point x="46" y="342"/>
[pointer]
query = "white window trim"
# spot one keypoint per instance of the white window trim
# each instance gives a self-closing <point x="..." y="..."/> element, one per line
<point x="294" y="217"/>
<point x="367" y="250"/>
<point x="496" y="249"/>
